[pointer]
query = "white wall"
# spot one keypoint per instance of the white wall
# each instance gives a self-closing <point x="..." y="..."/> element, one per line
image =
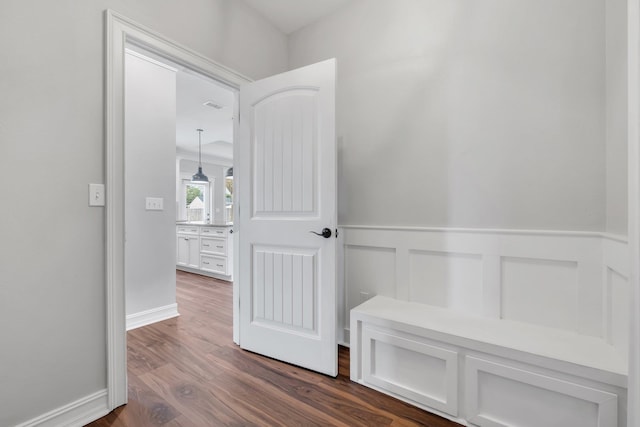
<point x="616" y="114"/>
<point x="150" y="147"/>
<point x="475" y="114"/>
<point x="52" y="292"/>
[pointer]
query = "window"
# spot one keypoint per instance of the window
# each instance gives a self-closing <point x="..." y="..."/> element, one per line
<point x="196" y="201"/>
<point x="228" y="199"/>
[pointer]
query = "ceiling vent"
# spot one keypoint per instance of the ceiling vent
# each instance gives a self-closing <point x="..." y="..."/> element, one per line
<point x="212" y="105"/>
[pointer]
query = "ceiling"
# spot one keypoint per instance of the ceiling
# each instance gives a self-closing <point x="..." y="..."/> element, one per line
<point x="192" y="91"/>
<point x="291" y="15"/>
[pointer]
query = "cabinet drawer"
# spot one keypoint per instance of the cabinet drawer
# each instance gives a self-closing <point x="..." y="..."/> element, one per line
<point x="187" y="229"/>
<point x="213" y="264"/>
<point x="214" y="231"/>
<point x="213" y="245"/>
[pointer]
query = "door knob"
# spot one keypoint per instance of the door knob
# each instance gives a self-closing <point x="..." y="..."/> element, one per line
<point x="326" y="233"/>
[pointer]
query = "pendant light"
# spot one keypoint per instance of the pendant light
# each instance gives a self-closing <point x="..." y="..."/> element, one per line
<point x="229" y="173"/>
<point x="199" y="177"/>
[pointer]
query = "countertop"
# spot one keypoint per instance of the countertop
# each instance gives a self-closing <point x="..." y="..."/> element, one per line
<point x="205" y="224"/>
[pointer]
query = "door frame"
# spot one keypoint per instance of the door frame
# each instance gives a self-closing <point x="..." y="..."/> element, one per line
<point x="633" y="209"/>
<point x="120" y="30"/>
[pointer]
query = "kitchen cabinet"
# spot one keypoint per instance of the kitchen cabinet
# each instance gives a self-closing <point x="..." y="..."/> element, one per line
<point x="188" y="247"/>
<point x="205" y="249"/>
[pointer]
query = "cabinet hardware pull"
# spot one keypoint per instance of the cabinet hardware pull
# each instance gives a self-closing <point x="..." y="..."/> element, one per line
<point x="220" y="247"/>
<point x="220" y="265"/>
<point x="205" y="262"/>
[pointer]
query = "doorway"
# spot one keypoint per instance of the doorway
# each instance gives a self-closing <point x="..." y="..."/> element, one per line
<point x="298" y="102"/>
<point x="177" y="119"/>
<point x="121" y="32"/>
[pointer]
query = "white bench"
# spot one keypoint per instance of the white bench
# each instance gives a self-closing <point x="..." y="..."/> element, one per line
<point x="486" y="372"/>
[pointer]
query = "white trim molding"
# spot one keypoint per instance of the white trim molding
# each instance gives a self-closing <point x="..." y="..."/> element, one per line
<point x="633" y="135"/>
<point x="78" y="413"/>
<point x="121" y="31"/>
<point x="154" y="315"/>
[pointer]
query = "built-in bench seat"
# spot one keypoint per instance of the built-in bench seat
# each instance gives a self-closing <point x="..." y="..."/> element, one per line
<point x="485" y="371"/>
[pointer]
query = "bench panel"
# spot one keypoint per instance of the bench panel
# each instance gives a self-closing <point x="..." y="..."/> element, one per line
<point x="486" y="372"/>
<point x="423" y="373"/>
<point x="499" y="395"/>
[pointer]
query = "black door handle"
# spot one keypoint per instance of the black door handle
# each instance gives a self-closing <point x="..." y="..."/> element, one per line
<point x="326" y="233"/>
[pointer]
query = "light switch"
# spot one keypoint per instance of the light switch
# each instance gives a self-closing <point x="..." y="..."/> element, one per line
<point x="154" y="203"/>
<point x="96" y="194"/>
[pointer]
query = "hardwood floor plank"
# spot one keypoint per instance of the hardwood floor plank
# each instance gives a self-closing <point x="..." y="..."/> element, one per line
<point x="245" y="379"/>
<point x="190" y="396"/>
<point x="187" y="372"/>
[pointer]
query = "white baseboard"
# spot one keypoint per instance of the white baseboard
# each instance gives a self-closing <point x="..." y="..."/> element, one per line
<point x="78" y="413"/>
<point x="154" y="315"/>
<point x="346" y="338"/>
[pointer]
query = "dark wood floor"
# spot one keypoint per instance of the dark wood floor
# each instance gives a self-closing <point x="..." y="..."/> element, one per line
<point x="188" y="372"/>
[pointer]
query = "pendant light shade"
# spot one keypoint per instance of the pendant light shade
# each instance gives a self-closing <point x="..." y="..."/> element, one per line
<point x="229" y="173"/>
<point x="199" y="177"/>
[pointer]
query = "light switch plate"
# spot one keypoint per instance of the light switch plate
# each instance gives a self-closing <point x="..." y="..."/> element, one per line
<point x="96" y="194"/>
<point x="154" y="203"/>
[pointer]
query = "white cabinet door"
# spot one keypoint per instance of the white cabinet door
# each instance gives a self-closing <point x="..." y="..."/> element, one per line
<point x="188" y="251"/>
<point x="287" y="187"/>
<point x="182" y="250"/>
<point x="194" y="252"/>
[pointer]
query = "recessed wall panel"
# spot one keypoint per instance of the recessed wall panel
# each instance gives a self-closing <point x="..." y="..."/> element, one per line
<point x="544" y="292"/>
<point x="618" y="310"/>
<point x="447" y="280"/>
<point x="369" y="271"/>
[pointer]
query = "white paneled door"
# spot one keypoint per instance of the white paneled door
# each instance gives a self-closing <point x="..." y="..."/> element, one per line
<point x="286" y="182"/>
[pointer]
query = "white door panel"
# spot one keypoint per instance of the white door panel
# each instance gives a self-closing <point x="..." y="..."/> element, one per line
<point x="286" y="175"/>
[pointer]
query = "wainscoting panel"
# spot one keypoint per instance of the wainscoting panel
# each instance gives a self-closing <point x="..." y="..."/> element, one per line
<point x="540" y="291"/>
<point x="564" y="279"/>
<point x="369" y="271"/>
<point x="449" y="280"/>
<point x="617" y="292"/>
<point x="615" y="272"/>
